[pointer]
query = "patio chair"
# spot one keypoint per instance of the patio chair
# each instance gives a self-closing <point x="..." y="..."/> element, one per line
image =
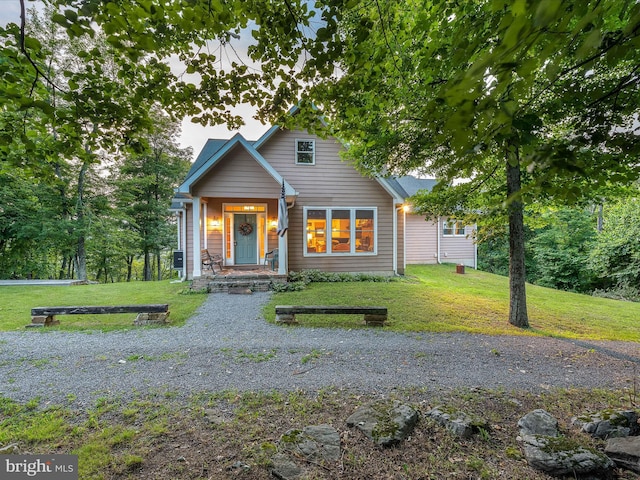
<point x="208" y="260"/>
<point x="271" y="258"/>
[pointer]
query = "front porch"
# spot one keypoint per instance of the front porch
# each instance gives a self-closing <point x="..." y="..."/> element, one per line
<point x="238" y="279"/>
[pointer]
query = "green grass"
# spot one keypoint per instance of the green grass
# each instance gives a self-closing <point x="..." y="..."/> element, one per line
<point x="206" y="434"/>
<point x="433" y="298"/>
<point x="16" y="303"/>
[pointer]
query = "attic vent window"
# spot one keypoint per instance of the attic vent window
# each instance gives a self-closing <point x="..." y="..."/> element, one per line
<point x="305" y="152"/>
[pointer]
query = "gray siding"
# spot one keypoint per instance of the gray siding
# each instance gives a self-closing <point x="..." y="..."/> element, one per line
<point x="422" y="240"/>
<point x="458" y="249"/>
<point x="330" y="182"/>
<point x="237" y="175"/>
<point x="422" y="244"/>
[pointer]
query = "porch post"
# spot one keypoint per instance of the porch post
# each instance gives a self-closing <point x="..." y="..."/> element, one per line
<point x="205" y="232"/>
<point x="196" y="237"/>
<point x="283" y="257"/>
<point x="183" y="243"/>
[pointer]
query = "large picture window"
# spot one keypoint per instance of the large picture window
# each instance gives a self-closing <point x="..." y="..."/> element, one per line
<point x="340" y="231"/>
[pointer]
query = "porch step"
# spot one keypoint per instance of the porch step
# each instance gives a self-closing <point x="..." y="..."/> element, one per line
<point x="254" y="282"/>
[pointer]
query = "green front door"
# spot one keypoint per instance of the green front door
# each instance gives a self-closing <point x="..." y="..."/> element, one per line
<point x="246" y="243"/>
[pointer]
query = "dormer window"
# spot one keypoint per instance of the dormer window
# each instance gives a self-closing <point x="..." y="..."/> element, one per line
<point x="305" y="152"/>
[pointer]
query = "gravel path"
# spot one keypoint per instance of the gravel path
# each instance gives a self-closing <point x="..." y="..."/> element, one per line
<point x="227" y="345"/>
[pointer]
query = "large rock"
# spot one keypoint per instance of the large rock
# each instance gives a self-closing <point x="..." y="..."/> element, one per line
<point x="625" y="452"/>
<point x="609" y="423"/>
<point x="385" y="424"/>
<point x="317" y="443"/>
<point x="559" y="456"/>
<point x="547" y="451"/>
<point x="458" y="423"/>
<point x="538" y="422"/>
<point x="284" y="468"/>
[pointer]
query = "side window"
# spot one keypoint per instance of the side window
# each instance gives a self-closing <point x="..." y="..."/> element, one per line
<point x="453" y="228"/>
<point x="305" y="152"/>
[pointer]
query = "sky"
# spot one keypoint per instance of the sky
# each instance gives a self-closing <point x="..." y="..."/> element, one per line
<point x="193" y="135"/>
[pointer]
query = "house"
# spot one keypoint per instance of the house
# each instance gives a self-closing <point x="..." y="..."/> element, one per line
<point x="444" y="240"/>
<point x="338" y="220"/>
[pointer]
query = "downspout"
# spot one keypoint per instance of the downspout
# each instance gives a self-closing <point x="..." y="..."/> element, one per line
<point x="475" y="249"/>
<point x="395" y="237"/>
<point x="438" y="242"/>
<point x="404" y="239"/>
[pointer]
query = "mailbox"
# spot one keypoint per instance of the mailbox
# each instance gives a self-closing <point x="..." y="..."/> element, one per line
<point x="178" y="259"/>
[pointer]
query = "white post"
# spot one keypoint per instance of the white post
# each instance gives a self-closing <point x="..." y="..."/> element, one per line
<point x="204" y="225"/>
<point x="283" y="258"/>
<point x="196" y="238"/>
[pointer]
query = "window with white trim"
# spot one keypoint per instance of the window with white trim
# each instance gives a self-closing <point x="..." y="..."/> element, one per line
<point x="453" y="228"/>
<point x="340" y="230"/>
<point x="305" y="152"/>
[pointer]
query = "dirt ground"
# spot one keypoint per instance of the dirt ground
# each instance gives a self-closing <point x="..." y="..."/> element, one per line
<point x="235" y="436"/>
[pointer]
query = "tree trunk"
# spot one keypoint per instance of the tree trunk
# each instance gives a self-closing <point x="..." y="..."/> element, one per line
<point x="147" y="266"/>
<point x="81" y="259"/>
<point x="601" y="216"/>
<point x="81" y="252"/>
<point x="63" y="268"/>
<point x="517" y="272"/>
<point x="159" y="266"/>
<point x="129" y="267"/>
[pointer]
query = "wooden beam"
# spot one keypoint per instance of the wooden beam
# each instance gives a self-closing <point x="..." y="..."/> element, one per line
<point x="99" y="309"/>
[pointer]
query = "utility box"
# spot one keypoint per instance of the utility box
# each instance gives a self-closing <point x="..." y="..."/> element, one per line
<point x="460" y="268"/>
<point x="178" y="259"/>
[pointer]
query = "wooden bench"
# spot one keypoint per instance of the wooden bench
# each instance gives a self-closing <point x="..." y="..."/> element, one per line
<point x="147" y="314"/>
<point x="375" y="316"/>
<point x="208" y="260"/>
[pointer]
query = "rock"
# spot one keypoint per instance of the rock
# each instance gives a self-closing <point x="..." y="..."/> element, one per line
<point x="538" y="422"/>
<point x="458" y="423"/>
<point x="558" y="456"/>
<point x="284" y="468"/>
<point x="240" y="466"/>
<point x="385" y="424"/>
<point x="11" y="449"/>
<point x="625" y="452"/>
<point x="315" y="443"/>
<point x="609" y="423"/>
<point x="547" y="451"/>
<point x="320" y="442"/>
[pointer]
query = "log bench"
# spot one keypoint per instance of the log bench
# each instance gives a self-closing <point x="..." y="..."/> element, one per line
<point x="147" y="313"/>
<point x="375" y="316"/>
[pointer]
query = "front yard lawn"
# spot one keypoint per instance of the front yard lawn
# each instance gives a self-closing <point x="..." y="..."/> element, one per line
<point x="433" y="298"/>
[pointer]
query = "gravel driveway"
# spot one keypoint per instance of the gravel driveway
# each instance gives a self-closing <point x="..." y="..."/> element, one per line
<point x="227" y="345"/>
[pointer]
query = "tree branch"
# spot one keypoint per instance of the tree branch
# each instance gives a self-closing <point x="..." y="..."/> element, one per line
<point x="23" y="49"/>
